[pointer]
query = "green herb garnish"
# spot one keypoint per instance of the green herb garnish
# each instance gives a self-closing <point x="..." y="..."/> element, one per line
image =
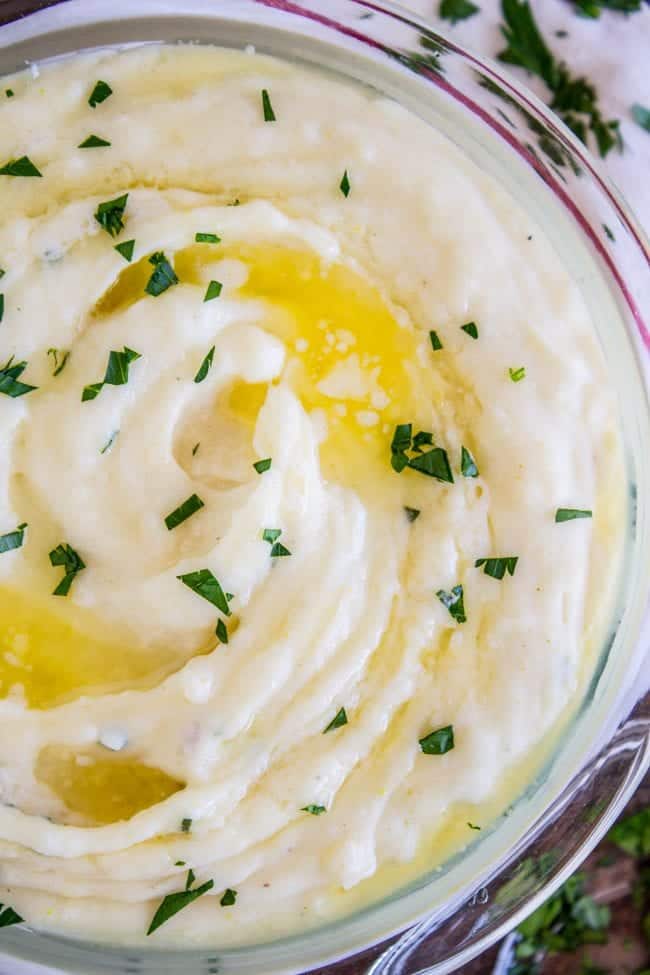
<point x="314" y="810"/>
<point x="497" y="568"/>
<point x="173" y="903"/>
<point x="109" y="443"/>
<point x="13" y="539"/>
<point x="99" y="94"/>
<point x="8" y="917"/>
<point x="184" y="511"/>
<point x="609" y="233"/>
<point x="93" y="142"/>
<point x="345" y="185"/>
<point x="455" y="10"/>
<point x="438" y="742"/>
<point x="204" y="584"/>
<point x="271" y="535"/>
<point x="221" y="632"/>
<point x="472" y="826"/>
<point x="195" y="448"/>
<point x="186" y="825"/>
<point x="9" y="93"/>
<point x="126" y="249"/>
<point x="9" y="379"/>
<point x="110" y="213"/>
<point x="471" y="329"/>
<point x="267" y="108"/>
<point x="20" y="167"/>
<point x="337" y="721"/>
<point x="117" y="373"/>
<point x="571" y="514"/>
<point x="593" y="8"/>
<point x="433" y="463"/>
<point x="229" y="897"/>
<point x="468" y="466"/>
<point x="436" y="344"/>
<point x="72" y="563"/>
<point x="641" y="116"/>
<point x="412" y="514"/>
<point x="191" y="877"/>
<point x="213" y="291"/>
<point x="163" y="277"/>
<point x="261" y="466"/>
<point x="201" y="238"/>
<point x="574" y="99"/>
<point x="60" y="358"/>
<point x="400" y="443"/>
<point x="2" y="307"/>
<point x="205" y="367"/>
<point x="453" y="601"/>
<point x="517" y="374"/>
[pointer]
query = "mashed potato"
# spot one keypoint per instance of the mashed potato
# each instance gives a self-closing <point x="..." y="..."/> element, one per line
<point x="309" y="468"/>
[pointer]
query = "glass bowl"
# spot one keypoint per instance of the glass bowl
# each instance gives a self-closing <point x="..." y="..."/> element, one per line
<point x="441" y="921"/>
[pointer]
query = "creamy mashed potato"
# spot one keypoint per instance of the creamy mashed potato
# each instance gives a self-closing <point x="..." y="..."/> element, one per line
<point x="244" y="631"/>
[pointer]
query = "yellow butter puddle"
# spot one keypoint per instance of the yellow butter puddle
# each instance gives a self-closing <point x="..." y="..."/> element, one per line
<point x="101" y="787"/>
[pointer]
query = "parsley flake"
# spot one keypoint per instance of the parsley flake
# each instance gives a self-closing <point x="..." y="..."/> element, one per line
<point x="471" y="329"/>
<point x="498" y="567"/>
<point x="213" y="290"/>
<point x="195" y="448"/>
<point x="262" y="466"/>
<point x="221" y="632"/>
<point x="8" y="917"/>
<point x="201" y="238"/>
<point x="186" y="825"/>
<point x="60" y="358"/>
<point x="229" y="897"/>
<point x="455" y="10"/>
<point x="109" y="443"/>
<point x="267" y="108"/>
<point x="20" y="167"/>
<point x="126" y="249"/>
<point x="271" y="535"/>
<point x="571" y="514"/>
<point x="99" y="94"/>
<point x="412" y="514"/>
<point x="163" y="277"/>
<point x="205" y="367"/>
<point x="9" y="93"/>
<point x="337" y="721"/>
<point x="93" y="142"/>
<point x="609" y="233"/>
<point x="204" y="584"/>
<point x="468" y="466"/>
<point x="641" y="116"/>
<point x="117" y="373"/>
<point x="2" y="307"/>
<point x="9" y="379"/>
<point x="453" y="601"/>
<point x="314" y="810"/>
<point x="184" y="511"/>
<point x="517" y="374"/>
<point x="110" y="213"/>
<point x="72" y="563"/>
<point x="593" y="8"/>
<point x="345" y="185"/>
<point x="191" y="877"/>
<point x="173" y="903"/>
<point x="472" y="826"/>
<point x="13" y="539"/>
<point x="438" y="742"/>
<point x="436" y="344"/>
<point x="433" y="463"/>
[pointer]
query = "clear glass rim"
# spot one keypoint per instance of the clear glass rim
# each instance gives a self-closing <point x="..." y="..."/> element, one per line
<point x="291" y="945"/>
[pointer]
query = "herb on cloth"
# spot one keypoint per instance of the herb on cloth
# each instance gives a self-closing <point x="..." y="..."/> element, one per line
<point x="455" y="10"/>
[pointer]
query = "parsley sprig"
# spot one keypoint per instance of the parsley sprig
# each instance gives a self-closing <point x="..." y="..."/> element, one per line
<point x="117" y="373"/>
<point x="72" y="563"/>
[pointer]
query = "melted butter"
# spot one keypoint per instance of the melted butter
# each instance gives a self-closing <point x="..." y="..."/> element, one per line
<point x="102" y="788"/>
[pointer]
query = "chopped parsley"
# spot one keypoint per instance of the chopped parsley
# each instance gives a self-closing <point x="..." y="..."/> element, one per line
<point x="117" y="373"/>
<point x="455" y="10"/>
<point x="471" y="329"/>
<point x="574" y="99"/>
<point x="204" y="584"/>
<point x="438" y="742"/>
<point x="13" y="539"/>
<point x="184" y="511"/>
<point x="9" y="93"/>
<point x="8" y="917"/>
<point x="345" y="185"/>
<point x="593" y="8"/>
<point x="2" y="307"/>
<point x="271" y="535"/>
<point x="99" y="94"/>
<point x="339" y="719"/>
<point x="201" y="238"/>
<point x="173" y="903"/>
<point x="195" y="448"/>
<point x="191" y="877"/>
<point x="262" y="466"/>
<point x="205" y="367"/>
<point x="72" y="563"/>
<point x="186" y="825"/>
<point x="267" y="108"/>
<point x="497" y="568"/>
<point x="453" y="601"/>
<point x="109" y="214"/>
<point x="571" y="514"/>
<point x="436" y="344"/>
<point x="517" y="374"/>
<point x="314" y="810"/>
<point x="221" y="632"/>
<point x="472" y="826"/>
<point x="59" y="358"/>
<point x="93" y="142"/>
<point x="228" y="898"/>
<point x="163" y="276"/>
<point x="641" y="116"/>
<point x="213" y="290"/>
<point x="109" y="443"/>
<point x="609" y="233"/>
<point x="126" y="249"/>
<point x="468" y="466"/>
<point x="9" y="379"/>
<point x="20" y="167"/>
<point x="412" y="514"/>
<point x="433" y="463"/>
